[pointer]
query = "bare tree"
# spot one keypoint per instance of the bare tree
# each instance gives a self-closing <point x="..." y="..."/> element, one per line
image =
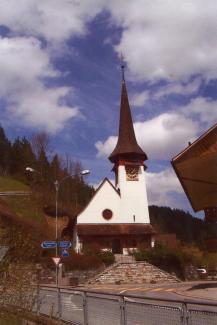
<point x="41" y="142"/>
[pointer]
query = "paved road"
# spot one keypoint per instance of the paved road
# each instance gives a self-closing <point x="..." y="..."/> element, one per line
<point x="197" y="290"/>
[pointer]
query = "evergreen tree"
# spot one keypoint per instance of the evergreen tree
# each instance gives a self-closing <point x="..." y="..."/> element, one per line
<point x="43" y="166"/>
<point x="55" y="168"/>
<point x="16" y="161"/>
<point x="21" y="157"/>
<point x="5" y="148"/>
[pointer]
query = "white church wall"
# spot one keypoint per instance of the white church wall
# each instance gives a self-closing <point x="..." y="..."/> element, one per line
<point x="105" y="198"/>
<point x="134" y="203"/>
<point x="130" y="207"/>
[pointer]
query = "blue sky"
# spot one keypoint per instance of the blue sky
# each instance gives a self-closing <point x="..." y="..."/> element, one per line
<point x="60" y="73"/>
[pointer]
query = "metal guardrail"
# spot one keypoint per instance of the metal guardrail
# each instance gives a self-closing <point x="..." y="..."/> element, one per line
<point x="93" y="308"/>
<point x="15" y="193"/>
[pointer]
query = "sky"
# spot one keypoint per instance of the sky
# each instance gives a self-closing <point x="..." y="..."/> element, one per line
<point x="60" y="74"/>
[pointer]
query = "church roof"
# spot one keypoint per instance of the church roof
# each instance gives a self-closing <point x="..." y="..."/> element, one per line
<point x="127" y="144"/>
<point x="196" y="168"/>
<point x="114" y="229"/>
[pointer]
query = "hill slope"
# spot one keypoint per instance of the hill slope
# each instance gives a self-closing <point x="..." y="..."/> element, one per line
<point x="187" y="228"/>
<point x="23" y="206"/>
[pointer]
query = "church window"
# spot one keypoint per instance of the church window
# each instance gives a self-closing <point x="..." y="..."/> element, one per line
<point x="107" y="214"/>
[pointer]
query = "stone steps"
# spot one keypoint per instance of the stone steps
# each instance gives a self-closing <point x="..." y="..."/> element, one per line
<point x="120" y="258"/>
<point x="133" y="273"/>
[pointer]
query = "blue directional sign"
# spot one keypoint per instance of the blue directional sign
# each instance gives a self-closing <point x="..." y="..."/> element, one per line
<point x="65" y="252"/>
<point x="64" y="244"/>
<point x="48" y="244"/>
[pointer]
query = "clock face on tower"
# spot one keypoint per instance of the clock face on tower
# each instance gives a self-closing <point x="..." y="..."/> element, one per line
<point x="132" y="173"/>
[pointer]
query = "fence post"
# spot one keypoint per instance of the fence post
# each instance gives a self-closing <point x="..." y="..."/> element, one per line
<point x="38" y="303"/>
<point x="122" y="311"/>
<point x="85" y="308"/>
<point x="185" y="314"/>
<point x="59" y="303"/>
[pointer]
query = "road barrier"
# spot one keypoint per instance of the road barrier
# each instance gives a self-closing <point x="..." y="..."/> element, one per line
<point x="82" y="307"/>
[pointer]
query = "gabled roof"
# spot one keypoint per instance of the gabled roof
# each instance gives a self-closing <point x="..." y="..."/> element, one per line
<point x="127" y="144"/>
<point x="106" y="180"/>
<point x="196" y="168"/>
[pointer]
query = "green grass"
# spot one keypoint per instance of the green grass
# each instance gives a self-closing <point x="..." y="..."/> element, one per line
<point x="10" y="184"/>
<point x="24" y="206"/>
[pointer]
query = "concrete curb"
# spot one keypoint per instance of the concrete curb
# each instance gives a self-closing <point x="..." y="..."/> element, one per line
<point x="183" y="294"/>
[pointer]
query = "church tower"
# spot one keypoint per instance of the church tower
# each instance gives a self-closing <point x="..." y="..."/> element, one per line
<point x="129" y="168"/>
<point x="117" y="218"/>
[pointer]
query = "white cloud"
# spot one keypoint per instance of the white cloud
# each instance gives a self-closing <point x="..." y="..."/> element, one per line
<point x="178" y="88"/>
<point x="139" y="99"/>
<point x="204" y="109"/>
<point x="167" y="39"/>
<point x="161" y="137"/>
<point x="23" y="65"/>
<point x="160" y="186"/>
<point x="190" y="88"/>
<point x="55" y="20"/>
<point x="41" y="108"/>
<point x="104" y="149"/>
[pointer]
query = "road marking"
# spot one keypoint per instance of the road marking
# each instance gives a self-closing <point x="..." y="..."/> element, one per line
<point x="130" y="289"/>
<point x="170" y="290"/>
<point x="123" y="290"/>
<point x="145" y="289"/>
<point x="157" y="289"/>
<point x="109" y="288"/>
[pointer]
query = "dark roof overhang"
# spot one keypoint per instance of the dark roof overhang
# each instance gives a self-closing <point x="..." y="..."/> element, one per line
<point x="196" y="169"/>
<point x="114" y="229"/>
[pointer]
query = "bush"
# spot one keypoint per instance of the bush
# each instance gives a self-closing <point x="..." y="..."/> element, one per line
<point x="81" y="262"/>
<point x="171" y="260"/>
<point x="105" y="257"/>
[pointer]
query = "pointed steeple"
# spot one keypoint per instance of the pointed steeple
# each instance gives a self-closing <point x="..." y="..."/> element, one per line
<point x="127" y="146"/>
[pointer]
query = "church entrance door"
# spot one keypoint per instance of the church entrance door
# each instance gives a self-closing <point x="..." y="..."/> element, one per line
<point x="116" y="246"/>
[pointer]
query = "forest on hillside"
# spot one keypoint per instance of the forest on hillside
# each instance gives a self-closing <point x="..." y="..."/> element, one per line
<point x="187" y="228"/>
<point x="37" y="154"/>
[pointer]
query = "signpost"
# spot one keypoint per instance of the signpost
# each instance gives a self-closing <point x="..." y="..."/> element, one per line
<point x="48" y="244"/>
<point x="64" y="244"/>
<point x="56" y="260"/>
<point x="53" y="244"/>
<point x="65" y="252"/>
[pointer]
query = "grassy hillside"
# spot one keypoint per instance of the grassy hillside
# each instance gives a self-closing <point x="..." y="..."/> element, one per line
<point x="23" y="206"/>
<point x="10" y="184"/>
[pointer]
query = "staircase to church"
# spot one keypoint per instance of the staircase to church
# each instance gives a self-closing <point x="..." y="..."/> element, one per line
<point x="129" y="271"/>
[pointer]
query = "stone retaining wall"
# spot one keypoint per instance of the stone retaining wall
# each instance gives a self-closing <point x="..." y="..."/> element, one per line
<point x="133" y="272"/>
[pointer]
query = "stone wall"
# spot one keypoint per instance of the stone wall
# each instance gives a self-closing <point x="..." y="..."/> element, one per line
<point x="133" y="272"/>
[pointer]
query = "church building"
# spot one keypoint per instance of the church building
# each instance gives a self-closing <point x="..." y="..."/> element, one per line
<point x="117" y="217"/>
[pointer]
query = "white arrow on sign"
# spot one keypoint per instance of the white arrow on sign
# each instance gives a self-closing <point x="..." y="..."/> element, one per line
<point x="56" y="260"/>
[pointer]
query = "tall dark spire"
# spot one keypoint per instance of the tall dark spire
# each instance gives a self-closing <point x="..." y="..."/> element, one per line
<point x="127" y="146"/>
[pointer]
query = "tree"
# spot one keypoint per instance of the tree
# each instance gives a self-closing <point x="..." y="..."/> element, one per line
<point x="40" y="143"/>
<point x="43" y="166"/>
<point x="55" y="168"/>
<point x="5" y="147"/>
<point x="21" y="157"/>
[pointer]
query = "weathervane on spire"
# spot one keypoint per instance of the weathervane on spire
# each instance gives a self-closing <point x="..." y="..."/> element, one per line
<point x="122" y="66"/>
